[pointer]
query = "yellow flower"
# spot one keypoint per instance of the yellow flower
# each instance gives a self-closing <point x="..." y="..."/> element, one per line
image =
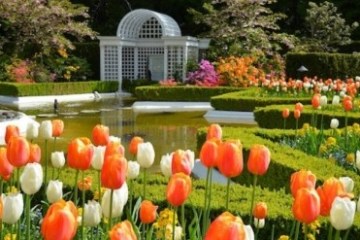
<point x="10" y="236"/>
<point x="284" y="237"/>
<point x="331" y="141"/>
<point x="350" y="158"/>
<point x="62" y="52"/>
<point x="12" y="189"/>
<point x="96" y="193"/>
<point x="322" y="148"/>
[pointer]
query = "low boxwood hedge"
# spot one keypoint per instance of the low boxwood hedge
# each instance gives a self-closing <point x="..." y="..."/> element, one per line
<point x="57" y="88"/>
<point x="271" y="116"/>
<point x="183" y="93"/>
<point x="247" y="100"/>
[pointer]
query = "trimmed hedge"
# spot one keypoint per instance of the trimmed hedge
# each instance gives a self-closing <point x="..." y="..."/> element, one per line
<point x="271" y="117"/>
<point x="323" y="65"/>
<point x="247" y="100"/>
<point x="185" y="93"/>
<point x="61" y="88"/>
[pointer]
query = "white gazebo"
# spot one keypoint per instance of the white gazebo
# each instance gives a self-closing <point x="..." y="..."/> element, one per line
<point x="147" y="44"/>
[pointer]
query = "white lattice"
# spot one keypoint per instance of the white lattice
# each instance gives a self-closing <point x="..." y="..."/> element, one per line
<point x="151" y="29"/>
<point x="128" y="63"/>
<point x="143" y="58"/>
<point x="111" y="62"/>
<point x="175" y="61"/>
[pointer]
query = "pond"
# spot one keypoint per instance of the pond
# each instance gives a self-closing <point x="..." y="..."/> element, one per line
<point x="167" y="131"/>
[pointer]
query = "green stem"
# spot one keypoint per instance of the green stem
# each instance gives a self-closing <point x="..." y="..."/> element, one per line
<point x="296" y="127"/>
<point x="205" y="201"/>
<point x="46" y="162"/>
<point x="227" y="194"/>
<point x="173" y="224"/>
<point x="346" y="134"/>
<point x="337" y="235"/>
<point x="18" y="178"/>
<point x="75" y="186"/>
<point x="347" y="234"/>
<point x="209" y="200"/>
<point x="284" y="123"/>
<point x="130" y="195"/>
<point x="99" y="185"/>
<point x="183" y="225"/>
<point x="252" y="198"/>
<point x="297" y="230"/>
<point x="111" y="206"/>
<point x="83" y="209"/>
<point x="1" y="186"/>
<point x="27" y="209"/>
<point x="53" y="169"/>
<point x="257" y="231"/>
<point x="144" y="185"/>
<point x="330" y="232"/>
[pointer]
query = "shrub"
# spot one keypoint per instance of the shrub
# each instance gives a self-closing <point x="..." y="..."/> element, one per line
<point x="204" y="75"/>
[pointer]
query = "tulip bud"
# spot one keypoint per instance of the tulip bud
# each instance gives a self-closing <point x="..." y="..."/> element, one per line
<point x="336" y="100"/>
<point x="342" y="213"/>
<point x="13" y="207"/>
<point x="259" y="223"/>
<point x="32" y="130"/>
<point x="133" y="170"/>
<point x="98" y="157"/>
<point x="57" y="159"/>
<point x="334" y="124"/>
<point x="165" y="165"/>
<point x="357" y="159"/>
<point x="45" y="130"/>
<point x="115" y="139"/>
<point x="54" y="191"/>
<point x="31" y="178"/>
<point x="145" y="154"/>
<point x="120" y="197"/>
<point x="92" y="213"/>
<point x="323" y="100"/>
<point x="147" y="212"/>
<point x="249" y="232"/>
<point x="348" y="184"/>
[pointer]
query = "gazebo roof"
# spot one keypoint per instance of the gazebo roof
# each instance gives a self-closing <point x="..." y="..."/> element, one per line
<point x="143" y="23"/>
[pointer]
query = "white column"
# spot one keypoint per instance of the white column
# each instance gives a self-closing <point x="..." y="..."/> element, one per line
<point x="102" y="62"/>
<point x="119" y="66"/>
<point x="166" y="62"/>
<point x="184" y="61"/>
<point x="136" y="62"/>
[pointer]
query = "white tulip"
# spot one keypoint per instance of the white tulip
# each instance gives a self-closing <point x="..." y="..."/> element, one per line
<point x="31" y="178"/>
<point x="249" y="233"/>
<point x="357" y="159"/>
<point x="358" y="205"/>
<point x="259" y="223"/>
<point x="323" y="101"/>
<point x="32" y="130"/>
<point x="54" y="191"/>
<point x="191" y="156"/>
<point x="98" y="157"/>
<point x="92" y="213"/>
<point x="334" y="124"/>
<point x="336" y="100"/>
<point x="13" y="207"/>
<point x="45" y="130"/>
<point x="342" y="213"/>
<point x="133" y="170"/>
<point x="145" y="154"/>
<point x="348" y="184"/>
<point x="325" y="88"/>
<point x="120" y="197"/>
<point x="357" y="78"/>
<point x="165" y="165"/>
<point x="114" y="139"/>
<point x="178" y="231"/>
<point x="57" y="159"/>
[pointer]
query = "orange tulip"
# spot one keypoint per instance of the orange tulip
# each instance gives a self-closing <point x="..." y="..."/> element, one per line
<point x="299" y="106"/>
<point x="297" y="113"/>
<point x="35" y="153"/>
<point x="209" y="153"/>
<point x="80" y="152"/>
<point x="85" y="184"/>
<point x="57" y="127"/>
<point x="113" y="172"/>
<point x="306" y="206"/>
<point x="180" y="162"/>
<point x="178" y="189"/>
<point x="114" y="148"/>
<point x="230" y="159"/>
<point x="302" y="179"/>
<point x="133" y="146"/>
<point x="214" y="131"/>
<point x="347" y="103"/>
<point x="100" y="135"/>
<point x="147" y="212"/>
<point x="6" y="168"/>
<point x="11" y="131"/>
<point x="122" y="231"/>
<point x="60" y="221"/>
<point x="259" y="159"/>
<point x="285" y="113"/>
<point x="226" y="227"/>
<point x="260" y="210"/>
<point x="315" y="101"/>
<point x="18" y="151"/>
<point x="330" y="189"/>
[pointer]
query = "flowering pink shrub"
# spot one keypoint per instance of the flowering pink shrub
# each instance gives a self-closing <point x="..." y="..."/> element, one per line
<point x="19" y="71"/>
<point x="205" y="75"/>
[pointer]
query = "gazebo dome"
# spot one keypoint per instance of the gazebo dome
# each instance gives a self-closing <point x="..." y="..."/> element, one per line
<point x="143" y="23"/>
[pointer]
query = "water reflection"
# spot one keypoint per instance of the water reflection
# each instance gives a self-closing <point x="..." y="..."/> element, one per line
<point x="166" y="131"/>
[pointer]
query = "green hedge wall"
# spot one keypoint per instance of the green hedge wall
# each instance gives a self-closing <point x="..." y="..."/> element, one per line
<point x="247" y="100"/>
<point x="179" y="93"/>
<point x="62" y="88"/>
<point x="324" y="65"/>
<point x="271" y="117"/>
